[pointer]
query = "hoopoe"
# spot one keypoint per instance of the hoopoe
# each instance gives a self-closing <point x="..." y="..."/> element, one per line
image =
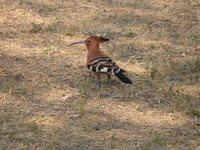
<point x="99" y="63"/>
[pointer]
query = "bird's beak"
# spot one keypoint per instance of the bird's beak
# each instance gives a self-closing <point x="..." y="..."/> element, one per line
<point x="80" y="42"/>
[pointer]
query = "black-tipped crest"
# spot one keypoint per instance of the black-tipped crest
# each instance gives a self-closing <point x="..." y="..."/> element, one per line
<point x="98" y="39"/>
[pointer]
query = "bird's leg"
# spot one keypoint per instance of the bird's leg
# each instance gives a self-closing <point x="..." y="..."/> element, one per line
<point x="98" y="79"/>
<point x="108" y="76"/>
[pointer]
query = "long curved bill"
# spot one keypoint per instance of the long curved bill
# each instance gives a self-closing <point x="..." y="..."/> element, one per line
<point x="80" y="42"/>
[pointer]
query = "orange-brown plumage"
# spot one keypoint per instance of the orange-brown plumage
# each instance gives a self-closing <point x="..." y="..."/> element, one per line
<point x="93" y="47"/>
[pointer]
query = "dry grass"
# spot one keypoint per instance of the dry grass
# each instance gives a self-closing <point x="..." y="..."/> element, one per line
<point x="48" y="101"/>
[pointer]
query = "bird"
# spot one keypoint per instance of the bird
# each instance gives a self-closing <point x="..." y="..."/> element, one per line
<point x="99" y="63"/>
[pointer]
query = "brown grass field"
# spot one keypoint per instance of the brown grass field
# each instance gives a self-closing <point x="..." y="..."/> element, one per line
<point x="50" y="101"/>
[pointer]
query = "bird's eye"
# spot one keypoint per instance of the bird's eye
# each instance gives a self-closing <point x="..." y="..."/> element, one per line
<point x="89" y="41"/>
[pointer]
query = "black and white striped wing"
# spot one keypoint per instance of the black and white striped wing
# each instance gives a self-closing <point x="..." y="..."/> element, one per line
<point x="104" y="65"/>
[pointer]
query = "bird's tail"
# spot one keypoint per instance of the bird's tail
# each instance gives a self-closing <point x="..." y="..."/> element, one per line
<point x="123" y="78"/>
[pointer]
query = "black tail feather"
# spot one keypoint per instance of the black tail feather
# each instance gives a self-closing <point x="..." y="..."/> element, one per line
<point x="123" y="78"/>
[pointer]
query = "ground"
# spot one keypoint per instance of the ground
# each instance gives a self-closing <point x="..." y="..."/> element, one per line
<point x="49" y="99"/>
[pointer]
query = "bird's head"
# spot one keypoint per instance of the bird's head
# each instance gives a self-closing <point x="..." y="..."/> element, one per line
<point x="91" y="41"/>
<point x="95" y="40"/>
